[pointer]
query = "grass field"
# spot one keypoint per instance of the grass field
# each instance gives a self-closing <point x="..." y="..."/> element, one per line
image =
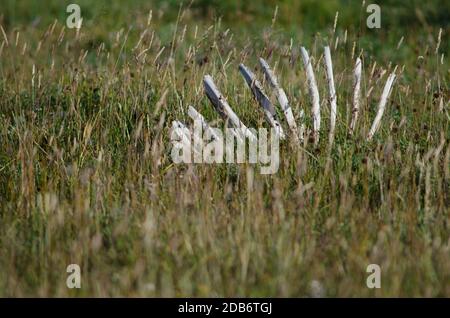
<point x="86" y="175"/>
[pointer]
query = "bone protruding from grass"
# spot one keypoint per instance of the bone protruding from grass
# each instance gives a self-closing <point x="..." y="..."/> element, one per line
<point x="356" y="94"/>
<point x="331" y="91"/>
<point x="282" y="100"/>
<point x="314" y="93"/>
<point x="258" y="93"/>
<point x="181" y="132"/>
<point x="382" y="105"/>
<point x="223" y="108"/>
<point x="188" y="137"/>
<point x="195" y="115"/>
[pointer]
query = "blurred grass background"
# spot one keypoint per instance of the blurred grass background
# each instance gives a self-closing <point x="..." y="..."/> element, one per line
<point x="402" y="15"/>
<point x="415" y="20"/>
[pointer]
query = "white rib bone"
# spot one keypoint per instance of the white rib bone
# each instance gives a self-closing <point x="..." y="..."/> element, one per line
<point x="223" y="108"/>
<point x="182" y="132"/>
<point x="282" y="100"/>
<point x="381" y="106"/>
<point x="263" y="100"/>
<point x="195" y="115"/>
<point x="314" y="92"/>
<point x="332" y="91"/>
<point x="356" y="94"/>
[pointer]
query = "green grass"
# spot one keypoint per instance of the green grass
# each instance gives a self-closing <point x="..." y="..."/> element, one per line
<point x="86" y="175"/>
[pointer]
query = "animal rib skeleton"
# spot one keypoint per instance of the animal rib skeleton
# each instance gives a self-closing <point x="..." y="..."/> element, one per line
<point x="298" y="133"/>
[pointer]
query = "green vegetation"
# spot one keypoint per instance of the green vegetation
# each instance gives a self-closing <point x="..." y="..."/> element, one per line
<point x="86" y="175"/>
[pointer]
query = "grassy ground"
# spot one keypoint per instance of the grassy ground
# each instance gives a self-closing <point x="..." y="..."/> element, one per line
<point x="86" y="175"/>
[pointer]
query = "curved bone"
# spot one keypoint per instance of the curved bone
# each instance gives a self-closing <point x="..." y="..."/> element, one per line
<point x="282" y="100"/>
<point x="223" y="108"/>
<point x="195" y="115"/>
<point x="262" y="99"/>
<point x="184" y="134"/>
<point x="381" y="106"/>
<point x="331" y="90"/>
<point x="314" y="92"/>
<point x="356" y="94"/>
